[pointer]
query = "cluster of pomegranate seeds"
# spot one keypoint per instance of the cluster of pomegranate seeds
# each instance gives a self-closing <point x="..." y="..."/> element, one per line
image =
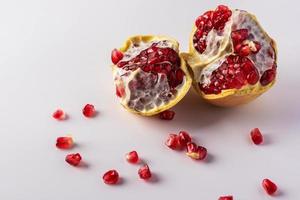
<point x="111" y="177"/>
<point x="229" y="197"/>
<point x="208" y="21"/>
<point x="167" y="115"/>
<point x="116" y="56"/>
<point x="196" y="152"/>
<point x="89" y="110"/>
<point x="73" y="159"/>
<point x="256" y="136"/>
<point x="64" y="142"/>
<point x="178" y="142"/>
<point x="269" y="186"/>
<point x="132" y="157"/>
<point x="234" y="72"/>
<point x="157" y="60"/>
<point x="59" y="114"/>
<point x="144" y="172"/>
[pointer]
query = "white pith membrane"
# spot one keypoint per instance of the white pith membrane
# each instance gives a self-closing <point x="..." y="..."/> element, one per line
<point x="155" y="91"/>
<point x="239" y="20"/>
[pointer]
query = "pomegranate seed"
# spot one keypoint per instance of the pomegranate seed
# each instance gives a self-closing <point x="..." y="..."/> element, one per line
<point x="229" y="197"/>
<point x="172" y="141"/>
<point x="195" y="152"/>
<point x="132" y="157"/>
<point x="256" y="136"/>
<point x="268" y="76"/>
<point x="245" y="51"/>
<point x="73" y="159"/>
<point x="269" y="186"/>
<point x="88" y="110"/>
<point x="64" y="142"/>
<point x="144" y="172"/>
<point x="116" y="56"/>
<point x="120" y="91"/>
<point x="167" y="115"/>
<point x="111" y="177"/>
<point x="183" y="138"/>
<point x="59" y="114"/>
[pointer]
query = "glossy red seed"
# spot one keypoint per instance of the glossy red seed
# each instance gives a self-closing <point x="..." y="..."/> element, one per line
<point x="89" y="110"/>
<point x="132" y="157"/>
<point x="196" y="152"/>
<point x="167" y="115"/>
<point x="256" y="136"/>
<point x="253" y="77"/>
<point x="269" y="186"/>
<point x="73" y="159"/>
<point x="120" y="91"/>
<point x="172" y="141"/>
<point x="64" y="142"/>
<point x="244" y="51"/>
<point x="183" y="138"/>
<point x="229" y="197"/>
<point x="59" y="114"/>
<point x="238" y="36"/>
<point x="144" y="172"/>
<point x="268" y="76"/>
<point x="111" y="177"/>
<point x="116" y="56"/>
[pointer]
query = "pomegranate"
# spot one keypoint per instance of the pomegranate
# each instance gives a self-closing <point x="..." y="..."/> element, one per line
<point x="232" y="58"/>
<point x="150" y="75"/>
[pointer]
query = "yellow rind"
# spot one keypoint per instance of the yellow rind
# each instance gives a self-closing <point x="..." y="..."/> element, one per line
<point x="181" y="93"/>
<point x="230" y="97"/>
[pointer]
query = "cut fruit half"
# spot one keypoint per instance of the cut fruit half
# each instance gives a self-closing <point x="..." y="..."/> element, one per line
<point x="150" y="75"/>
<point x="231" y="57"/>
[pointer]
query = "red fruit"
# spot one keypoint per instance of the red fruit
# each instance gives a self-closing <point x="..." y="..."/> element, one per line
<point x="256" y="136"/>
<point x="152" y="76"/>
<point x="89" y="110"/>
<point x="59" y="114"/>
<point x="73" y="159"/>
<point x="116" y="56"/>
<point x="111" y="177"/>
<point x="183" y="138"/>
<point x="172" y="141"/>
<point x="269" y="186"/>
<point x="226" y="198"/>
<point x="64" y="142"/>
<point x="132" y="157"/>
<point x="195" y="152"/>
<point x="167" y="115"/>
<point x="144" y="172"/>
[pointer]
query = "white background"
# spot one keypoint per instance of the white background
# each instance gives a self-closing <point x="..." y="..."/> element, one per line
<point x="56" y="53"/>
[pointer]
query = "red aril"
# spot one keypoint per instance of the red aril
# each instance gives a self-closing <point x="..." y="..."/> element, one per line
<point x="172" y="141"/>
<point x="229" y="197"/>
<point x="73" y="159"/>
<point x="111" y="177"/>
<point x="144" y="172"/>
<point x="195" y="152"/>
<point x="256" y="136"/>
<point x="167" y="115"/>
<point x="89" y="110"/>
<point x="116" y="56"/>
<point x="59" y="114"/>
<point x="132" y="157"/>
<point x="64" y="142"/>
<point x="184" y="138"/>
<point x="269" y="186"/>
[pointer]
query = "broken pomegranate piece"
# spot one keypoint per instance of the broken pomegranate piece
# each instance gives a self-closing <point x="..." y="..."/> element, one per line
<point x="229" y="197"/>
<point x="144" y="172"/>
<point x="64" y="142"/>
<point x="132" y="157"/>
<point x="150" y="76"/>
<point x="256" y="136"/>
<point x="59" y="114"/>
<point x="89" y="110"/>
<point x="167" y="115"/>
<point x="73" y="159"/>
<point x="111" y="177"/>
<point x="195" y="152"/>
<point x="232" y="58"/>
<point x="269" y="186"/>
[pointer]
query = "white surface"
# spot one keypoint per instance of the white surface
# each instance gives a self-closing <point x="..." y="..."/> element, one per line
<point x="57" y="54"/>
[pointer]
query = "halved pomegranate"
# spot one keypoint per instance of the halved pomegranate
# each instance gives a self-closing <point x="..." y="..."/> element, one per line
<point x="150" y="74"/>
<point x="232" y="58"/>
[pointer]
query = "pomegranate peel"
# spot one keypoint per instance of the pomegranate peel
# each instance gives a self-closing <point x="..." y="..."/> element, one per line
<point x="239" y="37"/>
<point x="152" y="75"/>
